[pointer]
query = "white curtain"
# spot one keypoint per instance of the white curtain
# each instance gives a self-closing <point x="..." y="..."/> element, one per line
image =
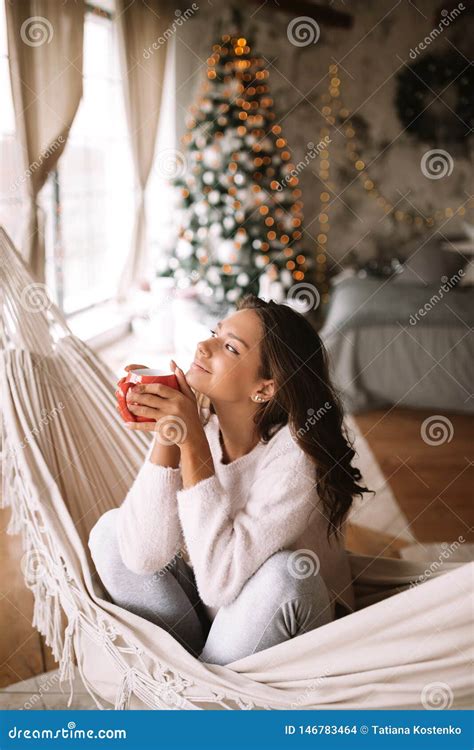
<point x="143" y="29"/>
<point x="189" y="74"/>
<point x="45" y="40"/>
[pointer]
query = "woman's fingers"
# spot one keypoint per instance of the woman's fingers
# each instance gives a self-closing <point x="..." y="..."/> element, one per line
<point x="144" y="411"/>
<point x="146" y="399"/>
<point x="181" y="378"/>
<point x="157" y="389"/>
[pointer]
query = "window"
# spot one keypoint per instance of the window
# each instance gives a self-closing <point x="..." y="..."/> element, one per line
<point x="11" y="192"/>
<point x="96" y="178"/>
<point x="95" y="182"/>
<point x="161" y="197"/>
<point x="89" y="200"/>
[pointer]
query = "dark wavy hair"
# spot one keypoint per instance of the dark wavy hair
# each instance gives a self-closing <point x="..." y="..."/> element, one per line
<point x="293" y="355"/>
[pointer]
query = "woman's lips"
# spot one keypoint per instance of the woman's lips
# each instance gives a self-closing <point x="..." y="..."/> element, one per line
<point x="198" y="367"/>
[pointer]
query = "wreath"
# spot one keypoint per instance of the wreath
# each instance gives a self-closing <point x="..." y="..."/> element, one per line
<point x="416" y="102"/>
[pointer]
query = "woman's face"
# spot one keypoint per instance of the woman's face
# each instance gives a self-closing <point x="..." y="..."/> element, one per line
<point x="231" y="358"/>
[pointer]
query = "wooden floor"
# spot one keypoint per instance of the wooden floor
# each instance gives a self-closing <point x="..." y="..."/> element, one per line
<point x="432" y="483"/>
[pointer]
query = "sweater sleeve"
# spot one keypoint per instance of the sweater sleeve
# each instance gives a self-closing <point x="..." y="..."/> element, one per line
<point x="226" y="549"/>
<point x="148" y="529"/>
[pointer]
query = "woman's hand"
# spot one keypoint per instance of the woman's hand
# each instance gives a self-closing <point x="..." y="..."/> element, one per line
<point x="176" y="412"/>
<point x="129" y="368"/>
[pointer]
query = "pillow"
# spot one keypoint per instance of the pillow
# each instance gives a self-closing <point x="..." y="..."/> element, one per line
<point x="428" y="262"/>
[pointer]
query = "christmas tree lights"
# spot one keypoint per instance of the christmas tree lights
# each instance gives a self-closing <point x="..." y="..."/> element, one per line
<point x="241" y="204"/>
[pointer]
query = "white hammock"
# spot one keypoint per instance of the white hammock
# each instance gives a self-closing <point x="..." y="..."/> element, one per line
<point x="67" y="460"/>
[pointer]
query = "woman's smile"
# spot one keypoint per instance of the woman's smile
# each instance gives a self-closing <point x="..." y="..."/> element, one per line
<point x="196" y="366"/>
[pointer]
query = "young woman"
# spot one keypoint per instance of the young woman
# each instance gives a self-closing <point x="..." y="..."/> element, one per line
<point x="250" y="478"/>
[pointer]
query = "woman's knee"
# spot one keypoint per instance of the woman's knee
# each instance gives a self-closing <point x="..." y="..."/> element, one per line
<point x="275" y="604"/>
<point x="103" y="543"/>
<point x="297" y="572"/>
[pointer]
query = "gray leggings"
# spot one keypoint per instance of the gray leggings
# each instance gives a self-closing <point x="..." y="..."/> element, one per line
<point x="272" y="606"/>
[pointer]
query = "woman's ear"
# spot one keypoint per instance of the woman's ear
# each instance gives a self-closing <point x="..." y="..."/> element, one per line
<point x="268" y="389"/>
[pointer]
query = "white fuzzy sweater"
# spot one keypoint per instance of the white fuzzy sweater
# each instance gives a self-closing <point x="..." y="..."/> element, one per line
<point x="231" y="522"/>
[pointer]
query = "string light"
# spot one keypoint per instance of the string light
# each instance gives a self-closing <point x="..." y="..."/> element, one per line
<point x="333" y="105"/>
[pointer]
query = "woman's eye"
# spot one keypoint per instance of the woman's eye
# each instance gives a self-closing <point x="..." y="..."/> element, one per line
<point x="230" y="348"/>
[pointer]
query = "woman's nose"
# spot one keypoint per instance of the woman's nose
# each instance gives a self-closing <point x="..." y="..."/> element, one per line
<point x="203" y="349"/>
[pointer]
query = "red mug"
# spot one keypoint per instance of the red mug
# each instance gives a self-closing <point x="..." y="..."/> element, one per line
<point x="144" y="376"/>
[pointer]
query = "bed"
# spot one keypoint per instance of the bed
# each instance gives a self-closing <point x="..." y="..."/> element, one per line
<point x="405" y="345"/>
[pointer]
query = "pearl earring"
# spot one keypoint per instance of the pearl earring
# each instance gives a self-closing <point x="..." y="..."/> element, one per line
<point x="258" y="398"/>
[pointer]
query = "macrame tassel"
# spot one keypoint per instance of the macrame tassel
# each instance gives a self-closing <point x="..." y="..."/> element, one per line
<point x="53" y="635"/>
<point x="40" y="607"/>
<point x="124" y="693"/>
<point x="11" y="495"/>
<point x="88" y="685"/>
<point x="66" y="664"/>
<point x="14" y="524"/>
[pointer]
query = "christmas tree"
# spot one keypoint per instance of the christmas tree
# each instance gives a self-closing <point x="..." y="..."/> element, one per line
<point x="241" y="211"/>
